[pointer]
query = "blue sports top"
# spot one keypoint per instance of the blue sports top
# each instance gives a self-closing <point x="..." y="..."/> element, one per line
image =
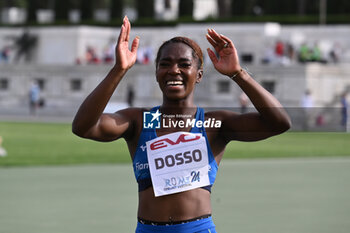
<point x="140" y="161"/>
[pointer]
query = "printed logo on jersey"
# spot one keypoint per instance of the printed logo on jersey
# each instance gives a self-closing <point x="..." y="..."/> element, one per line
<point x="151" y="120"/>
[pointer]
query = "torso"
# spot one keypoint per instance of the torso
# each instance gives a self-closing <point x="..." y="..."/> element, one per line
<point x="179" y="206"/>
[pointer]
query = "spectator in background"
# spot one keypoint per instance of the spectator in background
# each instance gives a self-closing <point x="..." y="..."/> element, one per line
<point x="268" y="56"/>
<point x="307" y="104"/>
<point x="304" y="53"/>
<point x="290" y="52"/>
<point x="279" y="52"/>
<point x="24" y="46"/>
<point x="344" y="109"/>
<point x="279" y="49"/>
<point x="108" y="52"/>
<point x="335" y="53"/>
<point x="91" y="56"/>
<point x="130" y="96"/>
<point x="5" y="54"/>
<point x="34" y="98"/>
<point x="316" y="54"/>
<point x="306" y="101"/>
<point x="144" y="55"/>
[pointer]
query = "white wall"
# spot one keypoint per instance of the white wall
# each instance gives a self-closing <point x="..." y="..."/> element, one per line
<point x="63" y="45"/>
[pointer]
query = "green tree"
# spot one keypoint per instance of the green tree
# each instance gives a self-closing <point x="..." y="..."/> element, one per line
<point x="145" y="8"/>
<point x="239" y="7"/>
<point x="13" y="3"/>
<point x="186" y="8"/>
<point x="224" y="8"/>
<point x="338" y="6"/>
<point x="74" y="4"/>
<point x="86" y="9"/>
<point x="31" y="10"/>
<point x="33" y="6"/>
<point x="116" y="9"/>
<point x="62" y="8"/>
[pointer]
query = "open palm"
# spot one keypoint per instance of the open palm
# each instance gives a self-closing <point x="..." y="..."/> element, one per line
<point x="227" y="61"/>
<point x="124" y="57"/>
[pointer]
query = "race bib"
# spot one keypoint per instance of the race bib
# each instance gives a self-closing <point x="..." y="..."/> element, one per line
<point x="178" y="162"/>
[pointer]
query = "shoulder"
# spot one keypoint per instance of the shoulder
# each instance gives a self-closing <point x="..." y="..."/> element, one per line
<point x="221" y="120"/>
<point x="229" y="124"/>
<point x="131" y="112"/>
<point x="134" y="116"/>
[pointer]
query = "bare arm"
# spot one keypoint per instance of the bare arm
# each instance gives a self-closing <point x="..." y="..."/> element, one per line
<point x="90" y="122"/>
<point x="271" y="118"/>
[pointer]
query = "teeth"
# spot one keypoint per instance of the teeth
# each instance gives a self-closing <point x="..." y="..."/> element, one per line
<point x="174" y="83"/>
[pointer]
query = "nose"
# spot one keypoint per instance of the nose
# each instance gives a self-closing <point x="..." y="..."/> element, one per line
<point x="174" y="69"/>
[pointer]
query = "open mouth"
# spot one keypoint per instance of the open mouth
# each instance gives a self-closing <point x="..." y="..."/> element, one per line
<point x="174" y="83"/>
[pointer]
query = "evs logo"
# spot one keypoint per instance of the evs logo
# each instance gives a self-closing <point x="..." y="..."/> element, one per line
<point x="151" y="120"/>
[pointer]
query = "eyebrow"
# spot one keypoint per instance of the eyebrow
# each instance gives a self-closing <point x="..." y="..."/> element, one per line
<point x="170" y="59"/>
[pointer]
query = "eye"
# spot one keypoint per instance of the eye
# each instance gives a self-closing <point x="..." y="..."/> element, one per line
<point x="164" y="64"/>
<point x="185" y="65"/>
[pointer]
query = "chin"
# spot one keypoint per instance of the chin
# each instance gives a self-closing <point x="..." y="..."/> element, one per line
<point x="175" y="96"/>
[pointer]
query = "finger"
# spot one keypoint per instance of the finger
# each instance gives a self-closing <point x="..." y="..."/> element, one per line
<point x="212" y="56"/>
<point x="135" y="44"/>
<point x="128" y="27"/>
<point x="124" y="31"/>
<point x="213" y="43"/>
<point x="121" y="33"/>
<point x="227" y="40"/>
<point x="216" y="37"/>
<point x="125" y="24"/>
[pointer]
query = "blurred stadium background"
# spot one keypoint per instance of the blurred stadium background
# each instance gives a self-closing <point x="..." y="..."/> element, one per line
<point x="57" y="51"/>
<point x="60" y="50"/>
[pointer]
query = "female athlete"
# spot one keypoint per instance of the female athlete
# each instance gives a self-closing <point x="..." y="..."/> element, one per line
<point x="176" y="166"/>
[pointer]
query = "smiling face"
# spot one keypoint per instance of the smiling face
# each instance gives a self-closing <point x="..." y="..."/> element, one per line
<point x="177" y="71"/>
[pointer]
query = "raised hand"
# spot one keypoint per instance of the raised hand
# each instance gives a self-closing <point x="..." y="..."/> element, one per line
<point x="227" y="61"/>
<point x="124" y="57"/>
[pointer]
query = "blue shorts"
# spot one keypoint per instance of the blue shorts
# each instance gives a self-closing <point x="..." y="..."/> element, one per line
<point x="205" y="225"/>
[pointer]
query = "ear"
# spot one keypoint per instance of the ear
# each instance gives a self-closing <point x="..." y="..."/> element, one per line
<point x="199" y="76"/>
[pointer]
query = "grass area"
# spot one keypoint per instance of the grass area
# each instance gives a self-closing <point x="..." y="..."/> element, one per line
<point x="31" y="144"/>
<point x="50" y="144"/>
<point x="293" y="144"/>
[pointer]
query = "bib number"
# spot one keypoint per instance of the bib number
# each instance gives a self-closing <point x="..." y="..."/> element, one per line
<point x="178" y="162"/>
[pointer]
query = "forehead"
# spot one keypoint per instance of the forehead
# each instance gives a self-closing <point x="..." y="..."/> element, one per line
<point x="176" y="51"/>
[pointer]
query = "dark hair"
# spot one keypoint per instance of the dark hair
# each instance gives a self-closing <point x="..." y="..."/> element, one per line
<point x="197" y="52"/>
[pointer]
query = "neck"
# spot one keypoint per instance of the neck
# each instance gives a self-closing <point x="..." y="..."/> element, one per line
<point x="178" y="106"/>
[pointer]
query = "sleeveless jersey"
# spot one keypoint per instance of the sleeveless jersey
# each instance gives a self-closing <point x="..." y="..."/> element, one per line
<point x="140" y="161"/>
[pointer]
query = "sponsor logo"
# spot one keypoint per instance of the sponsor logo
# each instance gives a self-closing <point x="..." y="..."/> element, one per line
<point x="151" y="120"/>
<point x="209" y="123"/>
<point x="181" y="182"/>
<point x="141" y="166"/>
<point x="166" y="141"/>
<point x="143" y="147"/>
